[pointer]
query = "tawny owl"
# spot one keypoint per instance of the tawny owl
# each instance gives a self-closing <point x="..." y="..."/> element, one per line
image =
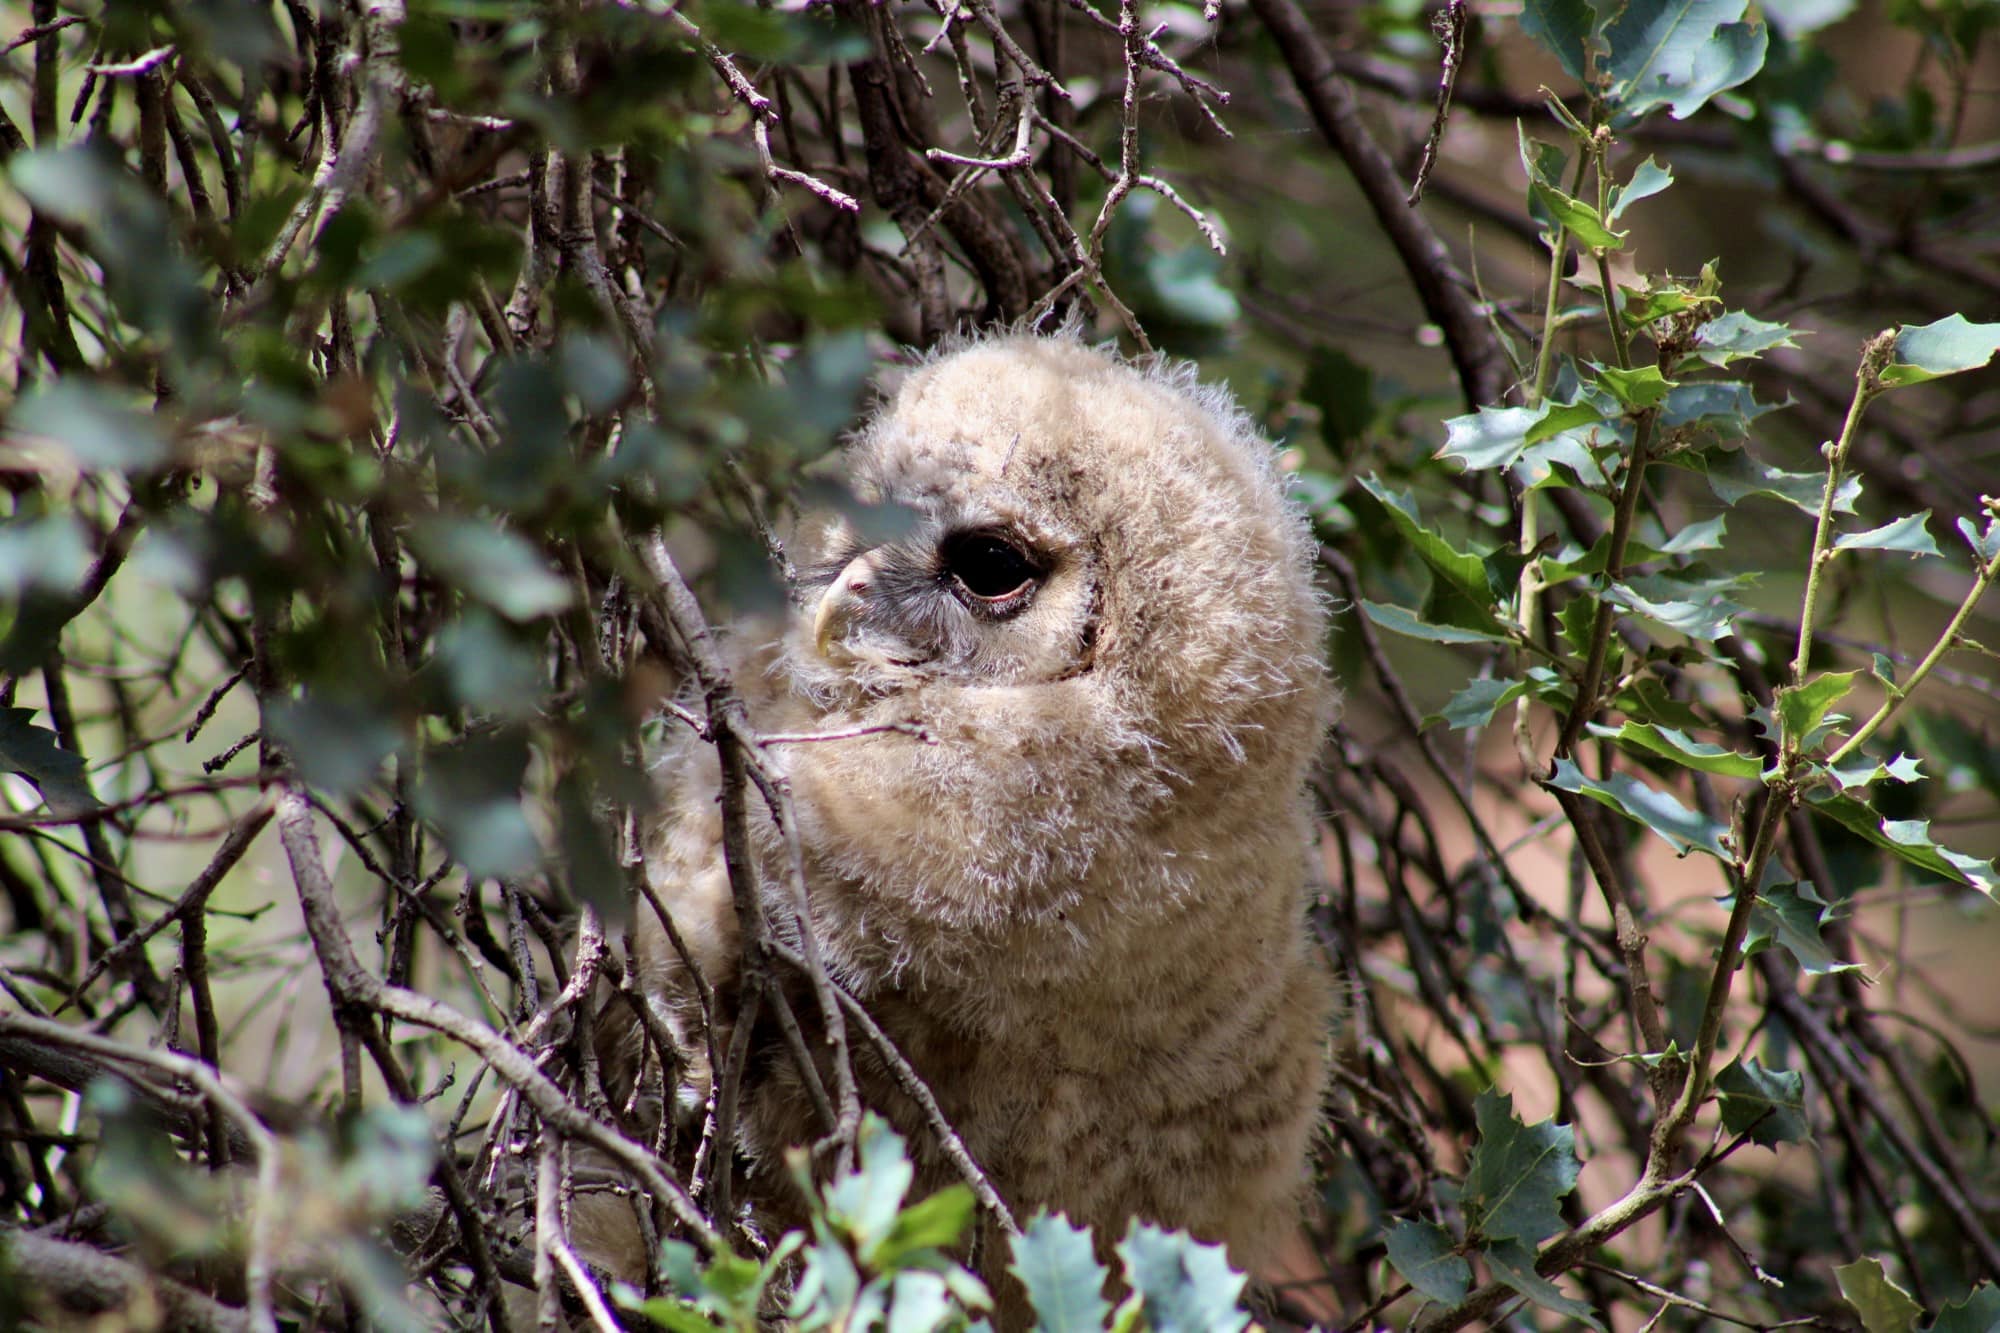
<point x="1076" y="903"/>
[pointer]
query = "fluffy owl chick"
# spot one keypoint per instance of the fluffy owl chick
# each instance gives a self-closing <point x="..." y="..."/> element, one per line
<point x="1077" y="905"/>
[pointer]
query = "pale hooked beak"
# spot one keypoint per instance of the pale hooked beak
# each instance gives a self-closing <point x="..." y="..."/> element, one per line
<point x="843" y="600"/>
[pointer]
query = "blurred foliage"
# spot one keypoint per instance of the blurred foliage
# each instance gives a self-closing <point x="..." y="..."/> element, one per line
<point x="353" y="350"/>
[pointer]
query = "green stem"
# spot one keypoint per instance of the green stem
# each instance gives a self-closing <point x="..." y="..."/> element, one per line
<point x="1945" y="642"/>
<point x="1592" y="678"/>
<point x="1866" y="385"/>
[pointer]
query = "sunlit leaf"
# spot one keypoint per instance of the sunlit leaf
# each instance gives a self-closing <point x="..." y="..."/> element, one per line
<point x="1402" y="620"/>
<point x="1946" y="347"/>
<point x="1684" y="829"/>
<point x="1907" y="534"/>
<point x="1679" y="54"/>
<point x="1802" y="707"/>
<point x="1735" y="335"/>
<point x="1689" y="753"/>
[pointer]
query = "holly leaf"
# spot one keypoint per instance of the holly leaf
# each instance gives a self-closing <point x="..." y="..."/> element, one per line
<point x="1684" y="829"/>
<point x="1801" y="708"/>
<point x="1735" y="335"/>
<point x="1065" y="1282"/>
<point x="1514" y="1264"/>
<point x="1979" y="1312"/>
<point x="1768" y="1103"/>
<point x="1517" y="1174"/>
<point x="35" y="753"/>
<point x="1907" y="534"/>
<point x="1187" y="1287"/>
<point x="1475" y="705"/>
<point x="1402" y="620"/>
<point x="1791" y="915"/>
<point x="1946" y="347"/>
<point x="1679" y="54"/>
<point x="1883" y="1306"/>
<point x="1424" y="1253"/>
<point x="1671" y="744"/>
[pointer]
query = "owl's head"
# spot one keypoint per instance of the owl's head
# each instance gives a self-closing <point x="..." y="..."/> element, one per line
<point x="1111" y="534"/>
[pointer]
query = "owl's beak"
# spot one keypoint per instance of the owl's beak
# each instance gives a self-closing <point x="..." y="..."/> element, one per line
<point x="842" y="602"/>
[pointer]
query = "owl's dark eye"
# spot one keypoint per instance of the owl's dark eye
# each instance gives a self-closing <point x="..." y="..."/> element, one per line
<point x="989" y="567"/>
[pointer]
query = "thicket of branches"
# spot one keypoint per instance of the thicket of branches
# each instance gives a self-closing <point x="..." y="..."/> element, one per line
<point x="400" y="388"/>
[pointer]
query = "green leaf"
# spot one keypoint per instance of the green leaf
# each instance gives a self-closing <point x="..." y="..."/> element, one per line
<point x="1769" y="1103"/>
<point x="1187" y="1287"/>
<point x="1065" y="1282"/>
<point x="1908" y="839"/>
<point x="1671" y="744"/>
<point x="1514" y="1264"/>
<point x="1946" y="347"/>
<point x="1475" y="705"/>
<point x="1463" y="570"/>
<point x="1801" y="707"/>
<point x="1517" y="1173"/>
<point x="494" y="565"/>
<point x="1979" y="1312"/>
<point x="1563" y="27"/>
<point x="1583" y="221"/>
<point x="1985" y="545"/>
<point x="1735" y="335"/>
<point x="1695" y="607"/>
<point x="867" y="1201"/>
<point x="58" y="774"/>
<point x="1637" y="389"/>
<point x="1679" y="54"/>
<point x="1903" y="768"/>
<point x="97" y="427"/>
<point x="1423" y="1253"/>
<point x="1492" y="437"/>
<point x="1402" y="620"/>
<point x="1684" y="829"/>
<point x="1883" y="1306"/>
<point x="1648" y="179"/>
<point x="931" y="1223"/>
<point x="1728" y="406"/>
<point x="1791" y="915"/>
<point x="1907" y="534"/>
<point x="1737" y="477"/>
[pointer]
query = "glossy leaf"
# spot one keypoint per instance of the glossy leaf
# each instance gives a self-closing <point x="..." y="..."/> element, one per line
<point x="1689" y="753"/>
<point x="1769" y="1103"/>
<point x="1907" y="535"/>
<point x="1684" y="829"/>
<point x="1945" y="347"/>
<point x="34" y="752"/>
<point x="1791" y="916"/>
